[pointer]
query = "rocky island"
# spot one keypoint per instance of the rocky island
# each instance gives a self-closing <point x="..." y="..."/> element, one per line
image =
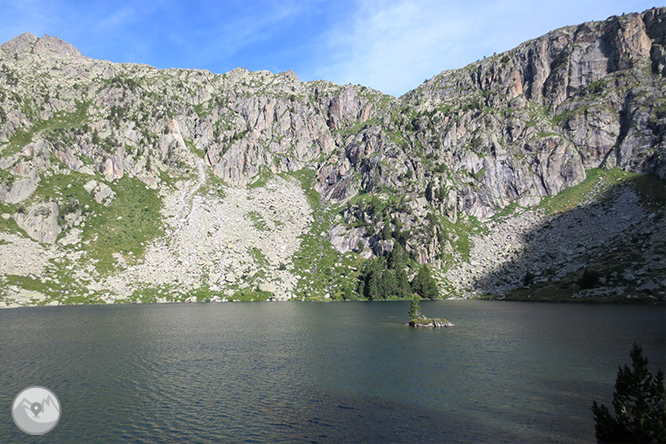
<point x="417" y="319"/>
<point x="533" y="174"/>
<point x="428" y="322"/>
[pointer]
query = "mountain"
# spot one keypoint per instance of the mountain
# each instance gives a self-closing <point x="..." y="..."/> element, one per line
<point x="535" y="173"/>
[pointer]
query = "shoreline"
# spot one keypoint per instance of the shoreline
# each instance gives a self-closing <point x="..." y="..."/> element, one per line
<point x="630" y="301"/>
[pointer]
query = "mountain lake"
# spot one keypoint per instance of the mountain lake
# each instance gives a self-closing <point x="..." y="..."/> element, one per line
<point x="320" y="372"/>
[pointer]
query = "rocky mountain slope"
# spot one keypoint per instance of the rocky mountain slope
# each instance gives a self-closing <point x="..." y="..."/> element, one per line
<point x="537" y="172"/>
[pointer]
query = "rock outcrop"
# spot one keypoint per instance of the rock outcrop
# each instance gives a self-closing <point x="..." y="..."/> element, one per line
<point x="17" y="191"/>
<point x="102" y="193"/>
<point x="40" y="222"/>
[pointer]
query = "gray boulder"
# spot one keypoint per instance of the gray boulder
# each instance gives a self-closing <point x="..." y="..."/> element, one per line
<point x="101" y="192"/>
<point x="18" y="191"/>
<point x="40" y="222"/>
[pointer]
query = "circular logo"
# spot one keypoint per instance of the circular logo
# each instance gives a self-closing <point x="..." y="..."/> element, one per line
<point x="36" y="410"/>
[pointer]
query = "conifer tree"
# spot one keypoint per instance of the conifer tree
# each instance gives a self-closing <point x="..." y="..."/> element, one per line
<point x="404" y="289"/>
<point x="424" y="285"/>
<point x="389" y="284"/>
<point x="639" y="402"/>
<point x="371" y="283"/>
<point x="396" y="258"/>
<point x="372" y="289"/>
<point x="414" y="308"/>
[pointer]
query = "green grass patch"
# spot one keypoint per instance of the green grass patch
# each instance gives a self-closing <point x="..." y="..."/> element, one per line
<point x="258" y="221"/>
<point x="75" y="300"/>
<point x="315" y="261"/>
<point x="324" y="272"/>
<point x="459" y="236"/>
<point x="307" y="177"/>
<point x="201" y="112"/>
<point x="258" y="256"/>
<point x="9" y="224"/>
<point x="197" y="152"/>
<point x="506" y="212"/>
<point x="57" y="282"/>
<point x="127" y="226"/>
<point x="479" y="174"/>
<point x="650" y="189"/>
<point x="63" y="188"/>
<point x="29" y="283"/>
<point x="562" y="117"/>
<point x="213" y="186"/>
<point x="262" y="178"/>
<point x="568" y="198"/>
<point x="150" y="293"/>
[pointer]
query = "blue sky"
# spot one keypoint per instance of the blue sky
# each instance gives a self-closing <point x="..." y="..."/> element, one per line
<point x="389" y="45"/>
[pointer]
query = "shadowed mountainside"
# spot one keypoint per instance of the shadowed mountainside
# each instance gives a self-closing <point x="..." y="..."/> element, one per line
<point x="611" y="247"/>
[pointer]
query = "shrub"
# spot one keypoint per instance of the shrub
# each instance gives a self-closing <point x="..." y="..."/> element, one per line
<point x="528" y="279"/>
<point x="590" y="279"/>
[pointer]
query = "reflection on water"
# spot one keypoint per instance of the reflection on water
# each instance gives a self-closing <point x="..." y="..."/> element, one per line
<point x="321" y="372"/>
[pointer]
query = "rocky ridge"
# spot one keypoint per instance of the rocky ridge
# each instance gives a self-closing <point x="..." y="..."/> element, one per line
<point x="127" y="180"/>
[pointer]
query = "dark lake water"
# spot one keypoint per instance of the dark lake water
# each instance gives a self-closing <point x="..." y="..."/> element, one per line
<point x="321" y="372"/>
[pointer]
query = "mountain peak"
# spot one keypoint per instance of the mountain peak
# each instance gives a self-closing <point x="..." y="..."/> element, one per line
<point x="19" y="44"/>
<point x="48" y="45"/>
<point x="45" y="46"/>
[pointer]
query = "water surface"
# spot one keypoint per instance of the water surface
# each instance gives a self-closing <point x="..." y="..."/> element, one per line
<point x="321" y="372"/>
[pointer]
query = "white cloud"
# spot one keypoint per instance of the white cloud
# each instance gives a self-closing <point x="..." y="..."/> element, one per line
<point x="119" y="18"/>
<point x="394" y="45"/>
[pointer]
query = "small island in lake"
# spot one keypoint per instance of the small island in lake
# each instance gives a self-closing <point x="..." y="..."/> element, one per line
<point x="417" y="319"/>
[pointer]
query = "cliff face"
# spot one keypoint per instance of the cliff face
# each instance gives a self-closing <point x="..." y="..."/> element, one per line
<point x="122" y="174"/>
<point x="535" y="118"/>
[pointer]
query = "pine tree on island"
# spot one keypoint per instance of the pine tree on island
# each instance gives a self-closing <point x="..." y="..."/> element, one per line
<point x="415" y="309"/>
<point x="417" y="319"/>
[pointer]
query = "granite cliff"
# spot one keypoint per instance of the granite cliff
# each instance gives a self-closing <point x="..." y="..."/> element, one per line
<point x="524" y="173"/>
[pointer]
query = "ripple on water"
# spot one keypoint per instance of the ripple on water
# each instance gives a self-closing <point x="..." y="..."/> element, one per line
<point x="205" y="373"/>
